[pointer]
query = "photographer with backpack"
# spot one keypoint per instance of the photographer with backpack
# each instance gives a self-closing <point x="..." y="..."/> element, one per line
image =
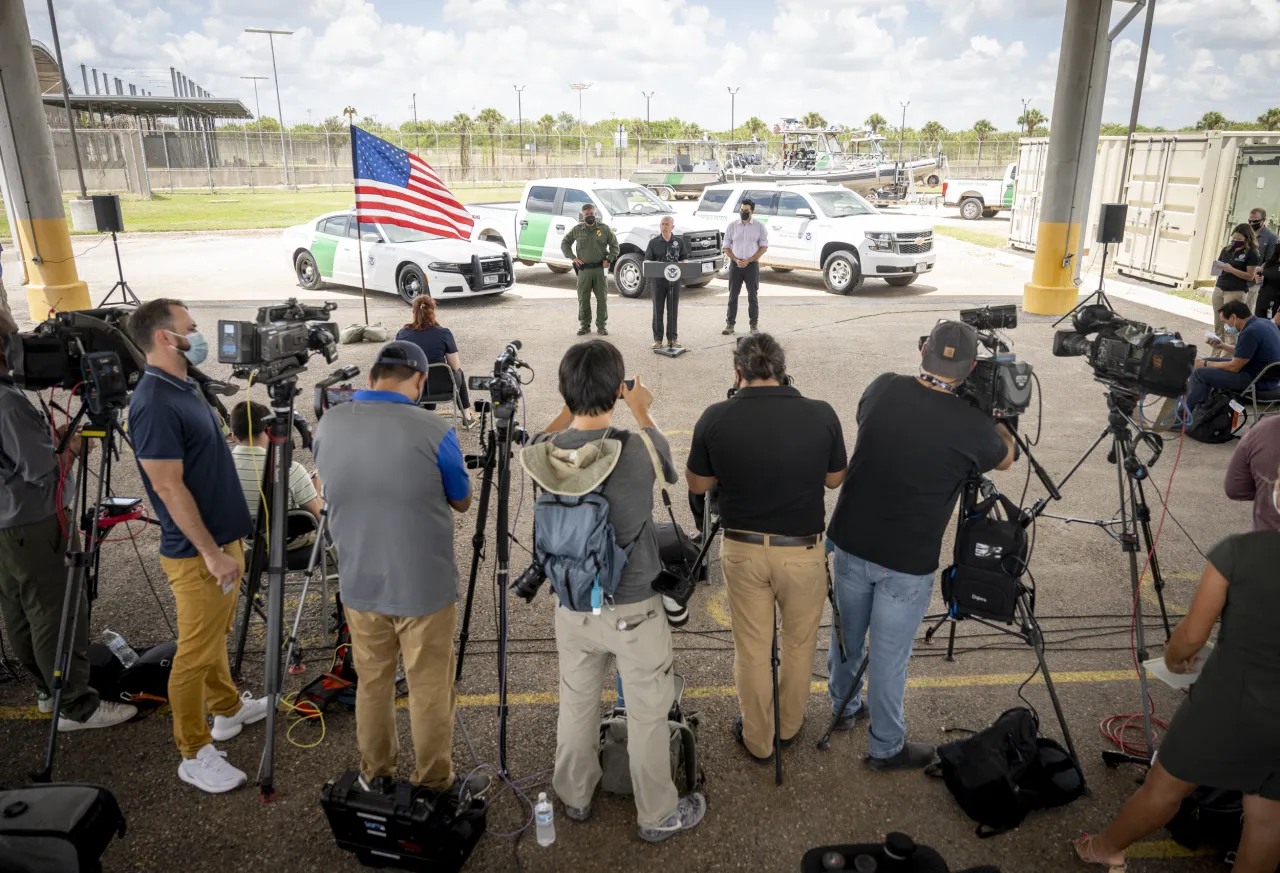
<point x="595" y="540"/>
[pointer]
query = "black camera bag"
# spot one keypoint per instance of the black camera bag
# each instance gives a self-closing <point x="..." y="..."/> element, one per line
<point x="1213" y="421"/>
<point x="990" y="558"/>
<point x="898" y="852"/>
<point x="57" y="828"/>
<point x="144" y="685"/>
<point x="676" y="550"/>
<point x="1210" y="817"/>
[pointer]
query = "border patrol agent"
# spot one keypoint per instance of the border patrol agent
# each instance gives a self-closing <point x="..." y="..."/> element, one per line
<point x="597" y="250"/>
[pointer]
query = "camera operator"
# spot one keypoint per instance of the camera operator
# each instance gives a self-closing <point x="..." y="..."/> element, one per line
<point x="394" y="476"/>
<point x="917" y="444"/>
<point x="192" y="484"/>
<point x="771" y="451"/>
<point x="1257" y="345"/>
<point x="35" y="534"/>
<point x="633" y="626"/>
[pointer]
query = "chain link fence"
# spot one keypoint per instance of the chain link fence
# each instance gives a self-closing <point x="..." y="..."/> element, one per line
<point x="142" y="160"/>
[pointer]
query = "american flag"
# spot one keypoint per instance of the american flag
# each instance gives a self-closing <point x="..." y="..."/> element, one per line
<point x="396" y="187"/>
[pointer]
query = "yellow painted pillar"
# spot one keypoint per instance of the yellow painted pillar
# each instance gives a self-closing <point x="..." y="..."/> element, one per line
<point x="34" y="202"/>
<point x="1072" y="148"/>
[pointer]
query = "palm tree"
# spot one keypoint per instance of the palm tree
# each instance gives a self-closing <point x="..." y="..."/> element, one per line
<point x="753" y="126"/>
<point x="875" y="122"/>
<point x="691" y="130"/>
<point x="813" y="119"/>
<point x="461" y="125"/>
<point x="1271" y="118"/>
<point x="1031" y="119"/>
<point x="492" y="119"/>
<point x="546" y="124"/>
<point x="982" y="129"/>
<point x="933" y="131"/>
<point x="1212" y="121"/>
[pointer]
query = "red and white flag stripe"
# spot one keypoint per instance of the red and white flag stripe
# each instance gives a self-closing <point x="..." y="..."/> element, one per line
<point x="426" y="204"/>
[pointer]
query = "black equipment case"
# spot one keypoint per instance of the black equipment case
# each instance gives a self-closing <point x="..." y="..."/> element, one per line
<point x="57" y="828"/>
<point x="410" y="828"/>
<point x="898" y="853"/>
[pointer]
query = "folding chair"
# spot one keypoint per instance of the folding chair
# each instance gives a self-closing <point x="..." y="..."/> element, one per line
<point x="441" y="389"/>
<point x="1262" y="401"/>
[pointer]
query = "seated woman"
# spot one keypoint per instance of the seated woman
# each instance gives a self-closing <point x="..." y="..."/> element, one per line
<point x="1224" y="735"/>
<point x="428" y="334"/>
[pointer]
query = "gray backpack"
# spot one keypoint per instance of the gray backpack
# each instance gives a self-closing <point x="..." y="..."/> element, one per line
<point x="577" y="548"/>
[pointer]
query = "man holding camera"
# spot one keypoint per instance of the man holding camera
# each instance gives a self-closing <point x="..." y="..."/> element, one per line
<point x="597" y="248"/>
<point x="394" y="475"/>
<point x="192" y="483"/>
<point x="632" y="626"/>
<point x="1257" y="345"/>
<point x="918" y="443"/>
<point x="772" y="451"/>
<point x="35" y="534"/>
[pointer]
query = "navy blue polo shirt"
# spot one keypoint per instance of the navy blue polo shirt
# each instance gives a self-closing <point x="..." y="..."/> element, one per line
<point x="170" y="421"/>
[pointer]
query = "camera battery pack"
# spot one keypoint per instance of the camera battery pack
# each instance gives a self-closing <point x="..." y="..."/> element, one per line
<point x="408" y="828"/>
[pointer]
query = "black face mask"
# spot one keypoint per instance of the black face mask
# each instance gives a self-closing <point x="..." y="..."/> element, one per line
<point x="746" y="215"/>
<point x="589" y="219"/>
<point x="1256" y="225"/>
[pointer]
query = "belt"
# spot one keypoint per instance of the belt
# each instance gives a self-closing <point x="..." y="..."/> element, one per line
<point x="585" y="266"/>
<point x="756" y="539"/>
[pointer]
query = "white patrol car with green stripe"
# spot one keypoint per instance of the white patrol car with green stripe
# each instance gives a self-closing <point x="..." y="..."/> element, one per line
<point x="981" y="198"/>
<point x="396" y="259"/>
<point x="533" y="228"/>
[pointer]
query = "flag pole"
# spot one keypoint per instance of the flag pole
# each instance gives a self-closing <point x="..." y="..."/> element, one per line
<point x="364" y="295"/>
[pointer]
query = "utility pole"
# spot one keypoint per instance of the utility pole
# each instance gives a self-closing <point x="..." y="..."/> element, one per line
<point x="733" y="96"/>
<point x="902" y="131"/>
<point x="271" y="39"/>
<point x="520" y="117"/>
<point x="257" y="109"/>
<point x="648" y="129"/>
<point x="415" y="122"/>
<point x="580" y="87"/>
<point x="66" y="99"/>
<point x="1025" y="103"/>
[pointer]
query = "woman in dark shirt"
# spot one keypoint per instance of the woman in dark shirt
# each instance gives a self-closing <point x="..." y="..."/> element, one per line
<point x="428" y="334"/>
<point x="1268" y="305"/>
<point x="1239" y="261"/>
<point x="1225" y="733"/>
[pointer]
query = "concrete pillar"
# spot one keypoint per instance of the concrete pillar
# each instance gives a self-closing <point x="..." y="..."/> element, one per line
<point x="31" y="176"/>
<point x="95" y="81"/>
<point x="1052" y="289"/>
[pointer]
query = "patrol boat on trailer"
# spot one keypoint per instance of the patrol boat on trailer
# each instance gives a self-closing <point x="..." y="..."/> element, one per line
<point x="696" y="164"/>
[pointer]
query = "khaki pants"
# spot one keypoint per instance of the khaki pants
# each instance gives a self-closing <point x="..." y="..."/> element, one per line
<point x="200" y="682"/>
<point x="1220" y="299"/>
<point x="426" y="644"/>
<point x="757" y="576"/>
<point x="643" y="654"/>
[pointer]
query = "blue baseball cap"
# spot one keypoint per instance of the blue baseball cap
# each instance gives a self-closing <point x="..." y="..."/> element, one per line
<point x="401" y="353"/>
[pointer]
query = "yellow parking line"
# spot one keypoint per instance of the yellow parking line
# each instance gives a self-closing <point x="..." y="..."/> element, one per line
<point x="717" y="608"/>
<point x="544" y="698"/>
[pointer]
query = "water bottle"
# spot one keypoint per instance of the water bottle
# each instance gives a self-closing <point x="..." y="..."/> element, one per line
<point x="120" y="648"/>
<point x="544" y="817"/>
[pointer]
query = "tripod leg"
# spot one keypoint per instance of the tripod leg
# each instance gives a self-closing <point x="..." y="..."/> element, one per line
<point x="1143" y="514"/>
<point x="252" y="584"/>
<point x="825" y="742"/>
<point x="777" y="709"/>
<point x="1032" y="635"/>
<point x="951" y="642"/>
<point x="477" y="550"/>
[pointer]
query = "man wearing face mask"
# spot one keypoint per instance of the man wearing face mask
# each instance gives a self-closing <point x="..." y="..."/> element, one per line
<point x="597" y="249"/>
<point x="1257" y="345"/>
<point x="1266" y="237"/>
<point x="745" y="242"/>
<point x="393" y="477"/>
<point x="192" y="484"/>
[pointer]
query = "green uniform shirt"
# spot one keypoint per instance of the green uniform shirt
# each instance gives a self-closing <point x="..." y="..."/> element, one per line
<point x="596" y="243"/>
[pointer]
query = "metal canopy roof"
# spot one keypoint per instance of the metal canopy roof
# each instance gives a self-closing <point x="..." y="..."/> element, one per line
<point x="160" y="107"/>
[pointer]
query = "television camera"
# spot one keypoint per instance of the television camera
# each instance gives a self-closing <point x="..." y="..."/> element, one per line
<point x="279" y="342"/>
<point x="1000" y="384"/>
<point x="1130" y="357"/>
<point x="87" y="351"/>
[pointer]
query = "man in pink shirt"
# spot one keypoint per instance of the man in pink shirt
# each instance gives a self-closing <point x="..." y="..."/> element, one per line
<point x="1253" y="469"/>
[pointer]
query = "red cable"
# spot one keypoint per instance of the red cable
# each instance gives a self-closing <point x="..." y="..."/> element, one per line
<point x="1114" y="728"/>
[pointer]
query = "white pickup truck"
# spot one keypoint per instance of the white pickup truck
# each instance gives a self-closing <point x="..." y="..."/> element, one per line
<point x="981" y="198"/>
<point x="816" y="226"/>
<point x="533" y="228"/>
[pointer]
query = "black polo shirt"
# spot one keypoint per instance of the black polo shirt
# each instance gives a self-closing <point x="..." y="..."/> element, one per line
<point x="666" y="250"/>
<point x="771" y="449"/>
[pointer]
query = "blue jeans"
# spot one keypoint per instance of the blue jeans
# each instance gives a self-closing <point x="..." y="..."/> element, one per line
<point x="1204" y="379"/>
<point x="890" y="605"/>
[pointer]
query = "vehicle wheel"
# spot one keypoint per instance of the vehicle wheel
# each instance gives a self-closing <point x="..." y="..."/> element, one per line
<point x="781" y="269"/>
<point x="842" y="273"/>
<point x="555" y="268"/>
<point x="990" y="213"/>
<point x="629" y="276"/>
<point x="933" y="180"/>
<point x="493" y="238"/>
<point x="308" y="273"/>
<point x="701" y="283"/>
<point x="411" y="282"/>
<point x="664" y="193"/>
<point x="901" y="281"/>
<point x="971" y="209"/>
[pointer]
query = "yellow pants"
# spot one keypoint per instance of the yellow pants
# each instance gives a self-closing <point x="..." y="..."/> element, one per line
<point x="425" y="642"/>
<point x="200" y="682"/>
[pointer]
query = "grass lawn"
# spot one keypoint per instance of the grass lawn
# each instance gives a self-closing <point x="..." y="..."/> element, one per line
<point x="243" y="210"/>
<point x="990" y="240"/>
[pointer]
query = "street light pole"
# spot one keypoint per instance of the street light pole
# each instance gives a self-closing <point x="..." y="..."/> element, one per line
<point x="582" y="140"/>
<point x="257" y="109"/>
<point x="733" y="96"/>
<point x="271" y="39"/>
<point x="66" y="100"/>
<point x="415" y="122"/>
<point x="902" y="131"/>
<point x="520" y="117"/>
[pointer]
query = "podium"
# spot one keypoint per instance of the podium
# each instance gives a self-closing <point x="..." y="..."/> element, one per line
<point x="672" y="271"/>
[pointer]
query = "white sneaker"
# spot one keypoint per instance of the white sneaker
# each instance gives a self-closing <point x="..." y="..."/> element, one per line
<point x="210" y="772"/>
<point x="227" y="726"/>
<point x="106" y="715"/>
<point x="44" y="703"/>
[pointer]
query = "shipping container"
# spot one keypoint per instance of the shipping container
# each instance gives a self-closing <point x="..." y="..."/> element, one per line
<point x="1185" y="191"/>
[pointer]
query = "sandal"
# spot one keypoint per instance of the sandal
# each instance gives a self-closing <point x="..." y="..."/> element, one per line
<point x="1086" y="852"/>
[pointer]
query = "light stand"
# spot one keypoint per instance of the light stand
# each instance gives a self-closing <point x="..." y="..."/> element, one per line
<point x="127" y="297"/>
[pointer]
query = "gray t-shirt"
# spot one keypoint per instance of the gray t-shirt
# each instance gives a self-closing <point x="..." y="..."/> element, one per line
<point x="28" y="463"/>
<point x="629" y="490"/>
<point x="388" y="512"/>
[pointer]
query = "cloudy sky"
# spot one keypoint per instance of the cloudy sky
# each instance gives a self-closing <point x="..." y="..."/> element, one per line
<point x="955" y="60"/>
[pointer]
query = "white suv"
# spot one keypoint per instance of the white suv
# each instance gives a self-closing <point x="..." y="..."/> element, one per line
<point x="813" y="226"/>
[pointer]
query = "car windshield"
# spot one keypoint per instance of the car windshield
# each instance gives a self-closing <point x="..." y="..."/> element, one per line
<point x="396" y="234"/>
<point x="841" y="202"/>
<point x="636" y="200"/>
